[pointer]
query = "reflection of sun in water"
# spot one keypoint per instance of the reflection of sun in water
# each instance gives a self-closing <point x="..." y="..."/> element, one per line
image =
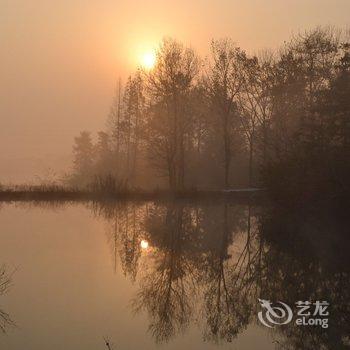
<point x="144" y="244"/>
<point x="148" y="60"/>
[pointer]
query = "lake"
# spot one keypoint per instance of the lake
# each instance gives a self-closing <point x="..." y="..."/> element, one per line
<point x="171" y="275"/>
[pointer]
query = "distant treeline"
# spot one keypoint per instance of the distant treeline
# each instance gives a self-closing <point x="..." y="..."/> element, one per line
<point x="278" y="119"/>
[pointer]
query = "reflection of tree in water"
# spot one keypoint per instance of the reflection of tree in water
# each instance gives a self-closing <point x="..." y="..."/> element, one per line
<point x="294" y="253"/>
<point x="189" y="256"/>
<point x="216" y="260"/>
<point x="5" y="281"/>
<point x="167" y="287"/>
<point x="130" y="232"/>
<point x="224" y="273"/>
<point x="125" y="233"/>
<point x="310" y="262"/>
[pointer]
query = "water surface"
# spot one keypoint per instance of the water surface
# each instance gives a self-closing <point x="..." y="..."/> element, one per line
<point x="168" y="276"/>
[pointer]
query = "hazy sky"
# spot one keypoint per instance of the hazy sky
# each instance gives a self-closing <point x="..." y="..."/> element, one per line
<point x="59" y="60"/>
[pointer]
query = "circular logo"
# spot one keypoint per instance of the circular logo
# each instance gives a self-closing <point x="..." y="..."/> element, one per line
<point x="274" y="315"/>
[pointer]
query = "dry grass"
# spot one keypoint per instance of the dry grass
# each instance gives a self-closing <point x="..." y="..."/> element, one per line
<point x="108" y="188"/>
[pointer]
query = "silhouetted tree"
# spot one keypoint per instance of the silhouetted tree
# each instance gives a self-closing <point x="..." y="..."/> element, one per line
<point x="170" y="84"/>
<point x="83" y="151"/>
<point x="279" y="119"/>
<point x="224" y="82"/>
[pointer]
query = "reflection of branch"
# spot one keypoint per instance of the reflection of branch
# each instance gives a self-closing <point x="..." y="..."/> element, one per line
<point x="5" y="282"/>
<point x="231" y="286"/>
<point x="5" y="321"/>
<point x="167" y="304"/>
<point x="166" y="290"/>
<point x="107" y="343"/>
<point x="246" y="261"/>
<point x="124" y="234"/>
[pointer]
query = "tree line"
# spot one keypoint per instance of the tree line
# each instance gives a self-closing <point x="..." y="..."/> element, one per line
<point x="280" y="119"/>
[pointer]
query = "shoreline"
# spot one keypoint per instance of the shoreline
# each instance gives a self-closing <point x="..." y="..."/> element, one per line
<point x="15" y="195"/>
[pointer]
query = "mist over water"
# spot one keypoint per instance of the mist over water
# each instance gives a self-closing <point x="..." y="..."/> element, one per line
<point x="84" y="272"/>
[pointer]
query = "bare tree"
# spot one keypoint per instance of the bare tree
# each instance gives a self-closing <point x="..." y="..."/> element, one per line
<point x="169" y="85"/>
<point x="114" y="119"/>
<point x="256" y="105"/>
<point x="133" y="113"/>
<point x="224" y="82"/>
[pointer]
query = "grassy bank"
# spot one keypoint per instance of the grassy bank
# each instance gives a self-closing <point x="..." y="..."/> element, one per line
<point x="61" y="193"/>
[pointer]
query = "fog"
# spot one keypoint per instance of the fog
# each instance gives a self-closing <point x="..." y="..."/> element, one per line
<point x="59" y="63"/>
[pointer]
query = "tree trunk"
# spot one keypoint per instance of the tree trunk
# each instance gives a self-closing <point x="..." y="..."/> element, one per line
<point x="227" y="153"/>
<point x="251" y="161"/>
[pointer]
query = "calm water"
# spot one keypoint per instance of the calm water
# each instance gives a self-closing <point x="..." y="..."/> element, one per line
<point x="169" y="276"/>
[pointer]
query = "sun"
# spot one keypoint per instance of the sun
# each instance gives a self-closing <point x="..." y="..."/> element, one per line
<point x="144" y="244"/>
<point x="148" y="60"/>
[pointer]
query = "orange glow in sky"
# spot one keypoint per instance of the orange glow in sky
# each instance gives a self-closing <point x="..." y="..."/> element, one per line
<point x="60" y="61"/>
<point x="148" y="60"/>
